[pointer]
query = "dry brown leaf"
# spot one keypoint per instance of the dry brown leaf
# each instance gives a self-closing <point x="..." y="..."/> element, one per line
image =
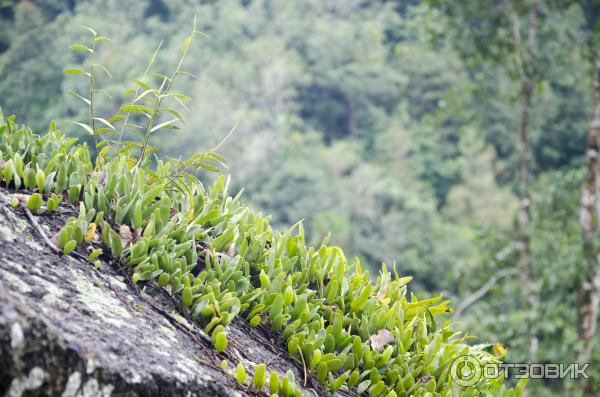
<point x="424" y="379"/>
<point x="54" y="240"/>
<point x="382" y="338"/>
<point x="126" y="235"/>
<point x="101" y="176"/>
<point x="231" y="250"/>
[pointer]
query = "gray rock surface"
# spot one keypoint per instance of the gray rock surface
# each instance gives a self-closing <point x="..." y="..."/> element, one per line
<point x="68" y="329"/>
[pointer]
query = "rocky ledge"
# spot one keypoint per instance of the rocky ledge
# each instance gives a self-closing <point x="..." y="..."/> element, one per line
<point x="69" y="329"/>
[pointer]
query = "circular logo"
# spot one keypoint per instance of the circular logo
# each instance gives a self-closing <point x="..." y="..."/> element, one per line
<point x="466" y="371"/>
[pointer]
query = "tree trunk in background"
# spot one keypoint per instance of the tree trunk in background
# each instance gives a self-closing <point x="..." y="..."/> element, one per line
<point x="525" y="61"/>
<point x="525" y="217"/>
<point x="589" y="291"/>
<point x="351" y="118"/>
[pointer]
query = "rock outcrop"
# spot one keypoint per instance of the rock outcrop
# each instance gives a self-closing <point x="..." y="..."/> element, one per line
<point x="69" y="329"/>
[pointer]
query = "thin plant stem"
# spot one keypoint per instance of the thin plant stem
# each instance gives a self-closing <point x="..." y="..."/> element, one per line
<point x="169" y="83"/>
<point x="138" y="90"/>
<point x="91" y="95"/>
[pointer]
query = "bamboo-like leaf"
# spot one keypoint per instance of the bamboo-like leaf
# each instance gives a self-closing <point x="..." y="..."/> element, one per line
<point x="209" y="167"/>
<point x="84" y="126"/>
<point x="139" y="127"/>
<point x="99" y="91"/>
<point x="75" y="71"/>
<point x="176" y="95"/>
<point x="78" y="96"/>
<point x="105" y="122"/>
<point x="129" y="92"/>
<point x="132" y="143"/>
<point x="103" y="68"/>
<point x="81" y="47"/>
<point x="163" y="125"/>
<point x="135" y="108"/>
<point x="160" y="76"/>
<point x="174" y="113"/>
<point x="186" y="44"/>
<point x="184" y="73"/>
<point x="202" y="33"/>
<point x="216" y="156"/>
<point x="116" y="118"/>
<point x="142" y="84"/>
<point x="102" y="130"/>
<point x="143" y="94"/>
<point x="92" y="31"/>
<point x="182" y="104"/>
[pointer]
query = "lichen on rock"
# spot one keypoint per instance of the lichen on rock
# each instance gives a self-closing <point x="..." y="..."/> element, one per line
<point x="62" y="335"/>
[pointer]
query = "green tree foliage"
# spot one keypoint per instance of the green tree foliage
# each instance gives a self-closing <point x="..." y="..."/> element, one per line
<point x="562" y="71"/>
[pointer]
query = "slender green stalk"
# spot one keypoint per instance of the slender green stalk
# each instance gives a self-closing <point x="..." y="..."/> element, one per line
<point x="137" y="91"/>
<point x="91" y="97"/>
<point x="162" y="93"/>
<point x="169" y="83"/>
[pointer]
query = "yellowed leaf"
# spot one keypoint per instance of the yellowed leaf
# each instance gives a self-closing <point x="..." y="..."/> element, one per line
<point x="89" y="234"/>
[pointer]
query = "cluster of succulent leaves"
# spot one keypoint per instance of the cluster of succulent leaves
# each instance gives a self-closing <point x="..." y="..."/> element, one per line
<point x="223" y="260"/>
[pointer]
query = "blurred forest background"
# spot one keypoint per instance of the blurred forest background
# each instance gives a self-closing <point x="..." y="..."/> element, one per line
<point x="395" y="125"/>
